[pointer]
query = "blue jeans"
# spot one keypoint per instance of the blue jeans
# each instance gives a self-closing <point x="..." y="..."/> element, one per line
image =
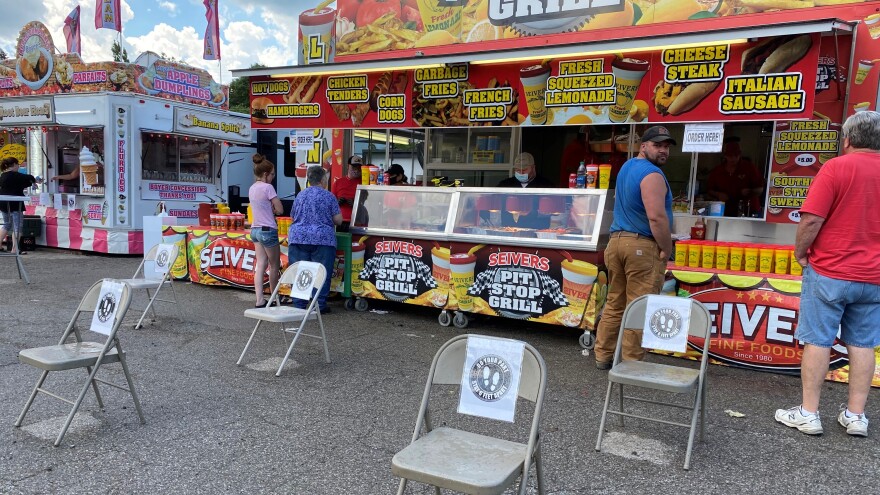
<point x="829" y="305"/>
<point x="325" y="255"/>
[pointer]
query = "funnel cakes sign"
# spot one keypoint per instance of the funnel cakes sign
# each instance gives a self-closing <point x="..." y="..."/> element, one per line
<point x="38" y="70"/>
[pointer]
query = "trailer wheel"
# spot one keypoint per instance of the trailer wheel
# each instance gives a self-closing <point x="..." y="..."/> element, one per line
<point x="361" y="305"/>
<point x="444" y="319"/>
<point x="460" y="320"/>
<point x="587" y="340"/>
<point x="349" y="304"/>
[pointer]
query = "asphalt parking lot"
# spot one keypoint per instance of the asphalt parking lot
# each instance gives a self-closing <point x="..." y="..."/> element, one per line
<point x="214" y="427"/>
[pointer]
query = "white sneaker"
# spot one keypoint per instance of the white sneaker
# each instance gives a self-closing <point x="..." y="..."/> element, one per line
<point x="794" y="418"/>
<point x="856" y="425"/>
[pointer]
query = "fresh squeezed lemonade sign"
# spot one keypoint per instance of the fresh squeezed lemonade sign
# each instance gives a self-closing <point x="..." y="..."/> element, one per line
<point x="580" y="82"/>
<point x="800" y="149"/>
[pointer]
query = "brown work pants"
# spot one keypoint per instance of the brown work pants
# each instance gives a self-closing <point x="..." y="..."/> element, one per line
<point x="634" y="269"/>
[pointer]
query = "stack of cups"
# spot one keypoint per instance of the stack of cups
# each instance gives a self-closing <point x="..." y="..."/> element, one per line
<point x="708" y="255"/>
<point x="781" y="257"/>
<point x="736" y="256"/>
<point x="694" y="253"/>
<point x="795" y="268"/>
<point x="766" y="253"/>
<point x="722" y="255"/>
<point x="681" y="253"/>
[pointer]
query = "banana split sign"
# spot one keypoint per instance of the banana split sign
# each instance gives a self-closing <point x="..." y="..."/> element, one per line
<point x="212" y="125"/>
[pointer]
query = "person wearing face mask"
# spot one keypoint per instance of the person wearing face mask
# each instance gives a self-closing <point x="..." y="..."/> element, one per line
<point x="525" y="176"/>
<point x="396" y="175"/>
<point x="640" y="243"/>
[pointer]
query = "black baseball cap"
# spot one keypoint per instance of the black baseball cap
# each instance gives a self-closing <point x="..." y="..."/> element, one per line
<point x="355" y="160"/>
<point x="657" y="134"/>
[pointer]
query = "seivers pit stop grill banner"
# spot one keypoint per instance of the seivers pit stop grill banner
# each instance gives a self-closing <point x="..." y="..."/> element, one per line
<point x="542" y="285"/>
<point x="768" y="79"/>
<point x="753" y="322"/>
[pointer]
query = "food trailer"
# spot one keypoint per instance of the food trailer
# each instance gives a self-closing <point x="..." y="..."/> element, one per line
<point x="123" y="137"/>
<point x="780" y="77"/>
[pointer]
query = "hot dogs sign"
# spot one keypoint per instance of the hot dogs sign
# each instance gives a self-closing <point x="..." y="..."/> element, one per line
<point x="773" y="78"/>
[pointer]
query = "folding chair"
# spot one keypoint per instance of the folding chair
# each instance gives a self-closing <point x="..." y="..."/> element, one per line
<point x="275" y="313"/>
<point x="82" y="354"/>
<point x="155" y="280"/>
<point x="675" y="379"/>
<point x="469" y="462"/>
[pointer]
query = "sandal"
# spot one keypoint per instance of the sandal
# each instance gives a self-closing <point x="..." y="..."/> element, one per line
<point x="285" y="300"/>
<point x="265" y="303"/>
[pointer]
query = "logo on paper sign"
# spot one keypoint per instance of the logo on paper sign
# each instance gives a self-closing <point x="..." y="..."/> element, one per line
<point x="490" y="378"/>
<point x="162" y="259"/>
<point x="106" y="307"/>
<point x="665" y="323"/>
<point x="304" y="280"/>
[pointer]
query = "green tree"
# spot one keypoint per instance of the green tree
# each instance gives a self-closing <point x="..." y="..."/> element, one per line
<point x="120" y="54"/>
<point x="239" y="92"/>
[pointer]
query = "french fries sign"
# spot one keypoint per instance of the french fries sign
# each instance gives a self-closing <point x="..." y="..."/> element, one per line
<point x="770" y="78"/>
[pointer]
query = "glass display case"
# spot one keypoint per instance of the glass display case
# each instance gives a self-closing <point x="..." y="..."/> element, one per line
<point x="576" y="219"/>
<point x="403" y="210"/>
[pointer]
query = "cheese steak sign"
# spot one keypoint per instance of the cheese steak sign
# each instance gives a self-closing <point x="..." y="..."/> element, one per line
<point x="755" y="328"/>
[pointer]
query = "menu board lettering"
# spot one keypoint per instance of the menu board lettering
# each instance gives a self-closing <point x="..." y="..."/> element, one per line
<point x="347" y="89"/>
<point x="696" y="64"/>
<point x="270" y="87"/>
<point x="767" y="93"/>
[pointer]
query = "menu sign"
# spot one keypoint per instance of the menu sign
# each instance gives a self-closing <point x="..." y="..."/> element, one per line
<point x="800" y="148"/>
<point x="212" y="125"/>
<point x="771" y="79"/>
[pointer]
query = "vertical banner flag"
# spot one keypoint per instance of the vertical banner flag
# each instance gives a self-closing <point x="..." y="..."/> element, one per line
<point x="71" y="32"/>
<point x="212" y="32"/>
<point x="108" y="15"/>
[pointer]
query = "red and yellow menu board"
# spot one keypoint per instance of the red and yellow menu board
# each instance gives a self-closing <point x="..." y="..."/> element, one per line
<point x="769" y="79"/>
<point x="370" y="29"/>
<point x="38" y="70"/>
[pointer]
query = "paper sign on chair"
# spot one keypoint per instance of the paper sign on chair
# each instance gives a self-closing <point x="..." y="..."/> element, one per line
<point x="490" y="381"/>
<point x="163" y="259"/>
<point x="106" y="308"/>
<point x="304" y="280"/>
<point x="667" y="320"/>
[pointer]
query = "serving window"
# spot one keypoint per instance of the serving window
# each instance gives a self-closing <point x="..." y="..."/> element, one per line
<point x="169" y="157"/>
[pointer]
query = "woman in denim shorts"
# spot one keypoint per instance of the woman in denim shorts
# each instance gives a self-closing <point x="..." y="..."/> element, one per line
<point x="264" y="230"/>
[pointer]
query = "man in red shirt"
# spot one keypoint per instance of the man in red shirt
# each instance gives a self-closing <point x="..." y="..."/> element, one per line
<point x="736" y="181"/>
<point x="344" y="189"/>
<point x="838" y="239"/>
<point x="574" y="153"/>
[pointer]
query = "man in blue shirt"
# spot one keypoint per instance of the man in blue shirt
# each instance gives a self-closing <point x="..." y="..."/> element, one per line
<point x="640" y="244"/>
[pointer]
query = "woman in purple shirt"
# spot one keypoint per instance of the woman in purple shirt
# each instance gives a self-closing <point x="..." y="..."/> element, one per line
<point x="264" y="230"/>
<point x="312" y="235"/>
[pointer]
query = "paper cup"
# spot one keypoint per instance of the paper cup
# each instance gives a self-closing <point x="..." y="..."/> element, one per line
<point x="577" y="283"/>
<point x="534" y="83"/>
<point x="317" y="36"/>
<point x="628" y="74"/>
<point x="357" y="265"/>
<point x="863" y="70"/>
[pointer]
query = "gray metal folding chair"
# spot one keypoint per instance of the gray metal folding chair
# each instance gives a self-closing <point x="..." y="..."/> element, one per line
<point x="155" y="281"/>
<point x="275" y="313"/>
<point x="81" y="354"/>
<point x="674" y="379"/>
<point x="469" y="462"/>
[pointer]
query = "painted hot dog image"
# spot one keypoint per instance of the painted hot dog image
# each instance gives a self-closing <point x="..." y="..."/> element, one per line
<point x="777" y="54"/>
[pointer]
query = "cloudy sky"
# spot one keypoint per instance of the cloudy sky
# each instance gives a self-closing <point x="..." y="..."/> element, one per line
<point x="251" y="32"/>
